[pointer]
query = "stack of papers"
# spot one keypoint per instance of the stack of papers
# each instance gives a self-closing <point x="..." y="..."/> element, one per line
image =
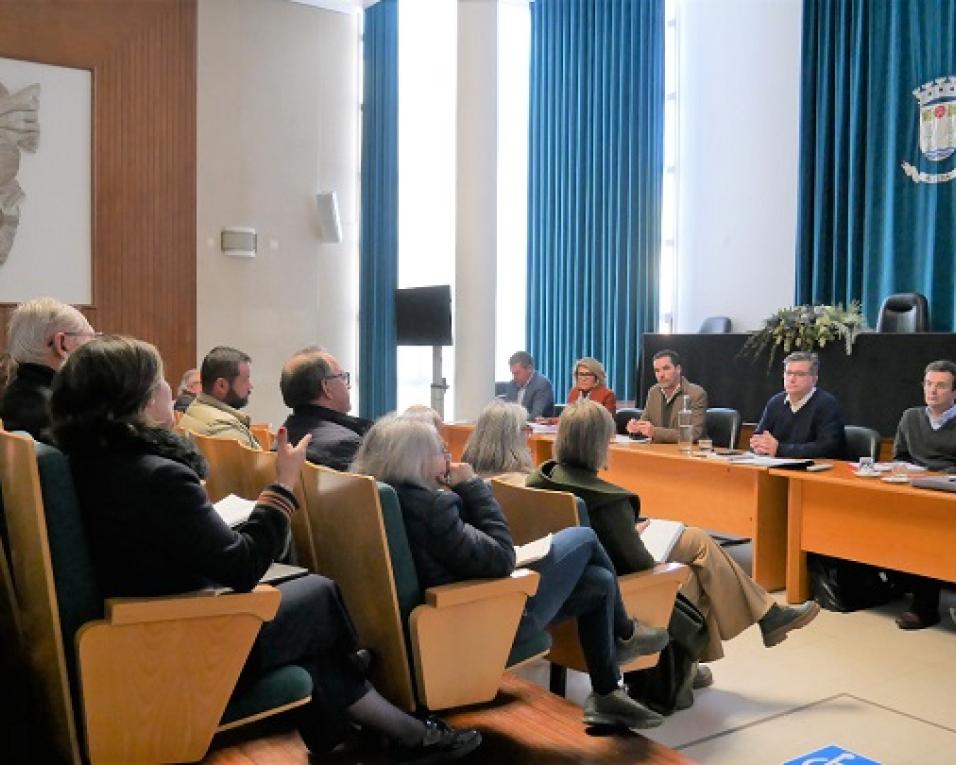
<point x="234" y="510"/>
<point x="533" y="551"/>
<point x="761" y="460"/>
<point x="660" y="537"/>
<point x="886" y="467"/>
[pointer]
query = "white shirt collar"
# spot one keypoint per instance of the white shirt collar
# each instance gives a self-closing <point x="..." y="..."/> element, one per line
<point x="796" y="406"/>
<point x="937" y="422"/>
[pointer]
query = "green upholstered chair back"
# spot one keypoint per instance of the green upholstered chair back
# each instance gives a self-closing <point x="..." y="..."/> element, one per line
<point x="407" y="586"/>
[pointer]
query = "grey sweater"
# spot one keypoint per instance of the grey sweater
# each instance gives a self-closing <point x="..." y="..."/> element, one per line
<point x="917" y="442"/>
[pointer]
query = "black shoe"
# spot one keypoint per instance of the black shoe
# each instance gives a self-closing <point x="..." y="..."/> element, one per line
<point x="441" y="743"/>
<point x="362" y="661"/>
<point x="779" y="620"/>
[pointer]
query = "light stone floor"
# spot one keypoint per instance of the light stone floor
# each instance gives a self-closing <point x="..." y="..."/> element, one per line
<point x="853" y="680"/>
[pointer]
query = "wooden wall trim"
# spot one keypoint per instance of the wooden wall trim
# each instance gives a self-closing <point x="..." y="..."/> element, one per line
<point x="143" y="59"/>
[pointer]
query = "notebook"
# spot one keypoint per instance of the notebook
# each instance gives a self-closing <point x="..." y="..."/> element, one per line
<point x="234" y="510"/>
<point x="660" y="536"/>
<point x="282" y="572"/>
<point x="533" y="551"/>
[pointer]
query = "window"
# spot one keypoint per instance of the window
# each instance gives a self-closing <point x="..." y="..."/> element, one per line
<point x="668" y="273"/>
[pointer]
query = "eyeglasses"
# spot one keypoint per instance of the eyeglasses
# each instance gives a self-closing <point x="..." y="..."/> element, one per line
<point x="796" y="374"/>
<point x="91" y="335"/>
<point x="344" y="376"/>
<point x="585" y="374"/>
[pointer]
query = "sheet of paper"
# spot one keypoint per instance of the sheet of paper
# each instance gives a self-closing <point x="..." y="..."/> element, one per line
<point x="660" y="536"/>
<point x="234" y="510"/>
<point x="535" y="550"/>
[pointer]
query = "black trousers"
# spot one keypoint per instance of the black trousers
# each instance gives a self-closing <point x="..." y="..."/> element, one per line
<point x="313" y="629"/>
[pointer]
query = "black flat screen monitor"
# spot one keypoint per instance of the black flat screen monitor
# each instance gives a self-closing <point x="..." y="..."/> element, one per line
<point x="423" y="315"/>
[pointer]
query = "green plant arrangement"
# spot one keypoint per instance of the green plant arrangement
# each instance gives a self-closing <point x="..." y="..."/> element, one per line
<point x="806" y="328"/>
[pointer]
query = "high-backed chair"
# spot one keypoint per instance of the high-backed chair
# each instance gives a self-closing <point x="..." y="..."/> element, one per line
<point x="139" y="680"/>
<point x="715" y="325"/>
<point x="861" y="442"/>
<point x="904" y="312"/>
<point x="444" y="647"/>
<point x="648" y="595"/>
<point x="235" y="468"/>
<point x="723" y="426"/>
<point x="261" y="432"/>
<point x="624" y="415"/>
<point x="558" y="408"/>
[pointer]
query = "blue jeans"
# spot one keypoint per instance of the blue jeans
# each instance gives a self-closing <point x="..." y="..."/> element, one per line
<point x="578" y="580"/>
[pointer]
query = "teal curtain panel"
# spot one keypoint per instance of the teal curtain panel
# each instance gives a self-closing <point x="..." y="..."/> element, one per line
<point x="378" y="235"/>
<point x="595" y="176"/>
<point x="877" y="163"/>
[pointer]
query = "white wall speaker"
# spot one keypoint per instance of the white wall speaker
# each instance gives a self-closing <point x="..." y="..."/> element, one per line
<point x="238" y="242"/>
<point x="330" y="225"/>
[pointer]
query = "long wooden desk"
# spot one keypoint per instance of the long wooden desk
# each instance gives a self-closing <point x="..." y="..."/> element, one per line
<point x="714" y="494"/>
<point x="893" y="526"/>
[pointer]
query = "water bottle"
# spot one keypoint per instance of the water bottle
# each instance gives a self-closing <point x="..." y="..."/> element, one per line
<point x="685" y="429"/>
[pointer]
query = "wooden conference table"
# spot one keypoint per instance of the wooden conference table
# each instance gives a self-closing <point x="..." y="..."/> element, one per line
<point x="892" y="526"/>
<point x="714" y="494"/>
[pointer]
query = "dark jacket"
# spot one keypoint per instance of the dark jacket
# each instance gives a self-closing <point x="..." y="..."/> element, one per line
<point x="455" y="535"/>
<point x="816" y="430"/>
<point x="25" y="403"/>
<point x="613" y="512"/>
<point x="182" y="402"/>
<point x="336" y="437"/>
<point x="152" y="530"/>
<point x="538" y="396"/>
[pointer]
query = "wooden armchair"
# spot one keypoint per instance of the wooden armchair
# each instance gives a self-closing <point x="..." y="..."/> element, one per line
<point x="458" y="637"/>
<point x="262" y="433"/>
<point x="235" y="468"/>
<point x="648" y="595"/>
<point x="140" y="680"/>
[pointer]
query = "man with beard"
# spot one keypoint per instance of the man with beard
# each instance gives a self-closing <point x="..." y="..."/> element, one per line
<point x="226" y="386"/>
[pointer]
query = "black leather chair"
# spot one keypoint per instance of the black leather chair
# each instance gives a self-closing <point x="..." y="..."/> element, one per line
<point x="558" y="408"/>
<point x="501" y="387"/>
<point x="723" y="427"/>
<point x="624" y="415"/>
<point x="715" y="325"/>
<point x="861" y="442"/>
<point x="904" y="312"/>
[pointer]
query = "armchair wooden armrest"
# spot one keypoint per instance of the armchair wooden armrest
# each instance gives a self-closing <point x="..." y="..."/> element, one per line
<point x="448" y="595"/>
<point x="262" y="602"/>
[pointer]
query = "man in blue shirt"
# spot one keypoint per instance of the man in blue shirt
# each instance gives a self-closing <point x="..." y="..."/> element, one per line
<point x="529" y="388"/>
<point x="802" y="421"/>
<point x="927" y="436"/>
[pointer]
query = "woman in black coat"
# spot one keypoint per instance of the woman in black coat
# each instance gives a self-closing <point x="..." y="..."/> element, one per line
<point x="152" y="531"/>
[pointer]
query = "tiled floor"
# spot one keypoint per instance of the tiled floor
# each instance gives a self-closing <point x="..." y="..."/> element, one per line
<point x="853" y="680"/>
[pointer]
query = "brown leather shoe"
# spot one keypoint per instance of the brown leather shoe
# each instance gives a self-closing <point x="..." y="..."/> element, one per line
<point x="913" y="620"/>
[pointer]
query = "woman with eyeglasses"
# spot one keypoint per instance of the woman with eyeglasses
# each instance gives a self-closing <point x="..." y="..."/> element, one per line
<point x="456" y="530"/>
<point x="153" y="532"/>
<point x="590" y="382"/>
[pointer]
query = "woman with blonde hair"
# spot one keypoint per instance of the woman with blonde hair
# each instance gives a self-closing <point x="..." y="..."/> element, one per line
<point x="499" y="442"/>
<point x="456" y="530"/>
<point x="729" y="599"/>
<point x="590" y="382"/>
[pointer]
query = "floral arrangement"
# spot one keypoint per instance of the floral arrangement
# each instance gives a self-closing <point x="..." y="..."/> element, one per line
<point x="806" y="328"/>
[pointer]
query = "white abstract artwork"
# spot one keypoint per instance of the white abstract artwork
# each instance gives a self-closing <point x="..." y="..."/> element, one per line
<point x="45" y="182"/>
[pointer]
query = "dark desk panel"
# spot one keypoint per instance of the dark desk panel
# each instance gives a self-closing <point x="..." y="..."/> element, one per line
<point x="874" y="385"/>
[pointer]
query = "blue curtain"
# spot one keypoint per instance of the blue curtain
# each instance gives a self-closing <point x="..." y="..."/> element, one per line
<point x="866" y="229"/>
<point x="594" y="197"/>
<point x="378" y="237"/>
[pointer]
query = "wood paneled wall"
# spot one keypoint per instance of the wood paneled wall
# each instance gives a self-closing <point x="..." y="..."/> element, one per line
<point x="142" y="55"/>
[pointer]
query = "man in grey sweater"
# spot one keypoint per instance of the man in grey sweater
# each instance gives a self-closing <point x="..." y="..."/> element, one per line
<point x="927" y="436"/>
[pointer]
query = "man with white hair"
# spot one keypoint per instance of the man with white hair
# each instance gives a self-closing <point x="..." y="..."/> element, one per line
<point x="42" y="333"/>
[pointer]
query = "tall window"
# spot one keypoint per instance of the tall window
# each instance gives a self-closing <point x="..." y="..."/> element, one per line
<point x="514" y="57"/>
<point x="427" y="79"/>
<point x="668" y="274"/>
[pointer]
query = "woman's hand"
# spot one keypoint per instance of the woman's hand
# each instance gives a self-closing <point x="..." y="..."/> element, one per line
<point x="289" y="458"/>
<point x="459" y="472"/>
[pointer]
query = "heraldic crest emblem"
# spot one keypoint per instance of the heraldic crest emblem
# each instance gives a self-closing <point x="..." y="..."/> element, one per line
<point x="937" y="127"/>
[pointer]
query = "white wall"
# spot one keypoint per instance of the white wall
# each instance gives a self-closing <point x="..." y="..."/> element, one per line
<point x="739" y="92"/>
<point x="277" y="121"/>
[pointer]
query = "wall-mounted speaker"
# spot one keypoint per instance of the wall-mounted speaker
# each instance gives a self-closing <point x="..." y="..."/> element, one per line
<point x="330" y="225"/>
<point x="238" y="242"/>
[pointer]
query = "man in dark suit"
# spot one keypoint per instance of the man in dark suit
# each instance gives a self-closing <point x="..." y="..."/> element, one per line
<point x="316" y="388"/>
<point x="529" y="388"/>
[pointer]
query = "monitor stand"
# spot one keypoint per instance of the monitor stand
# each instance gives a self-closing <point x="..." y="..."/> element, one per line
<point x="439" y="386"/>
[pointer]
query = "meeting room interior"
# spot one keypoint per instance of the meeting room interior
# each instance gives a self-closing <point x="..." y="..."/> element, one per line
<point x="671" y="280"/>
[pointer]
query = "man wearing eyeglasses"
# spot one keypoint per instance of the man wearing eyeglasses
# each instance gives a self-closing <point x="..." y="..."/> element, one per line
<point x="802" y="421"/>
<point x="42" y="333"/>
<point x="926" y="436"/>
<point x="317" y="390"/>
